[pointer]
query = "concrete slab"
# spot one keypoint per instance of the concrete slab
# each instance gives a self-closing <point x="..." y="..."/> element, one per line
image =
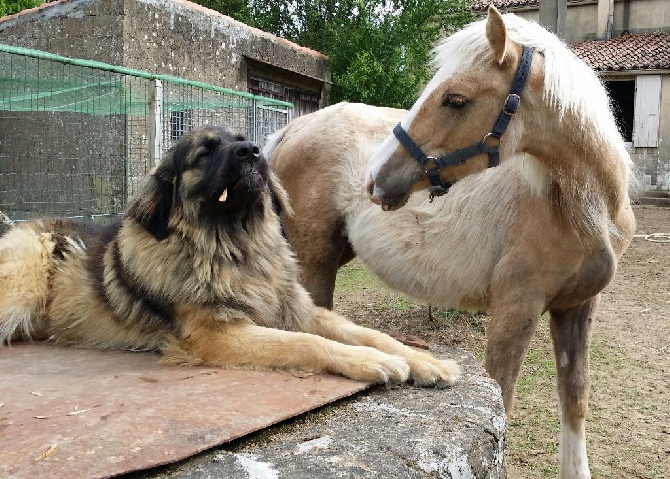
<point x="380" y="433"/>
<point x="67" y="413"/>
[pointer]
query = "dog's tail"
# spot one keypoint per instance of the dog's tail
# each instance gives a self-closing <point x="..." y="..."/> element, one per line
<point x="5" y="223"/>
<point x="26" y="264"/>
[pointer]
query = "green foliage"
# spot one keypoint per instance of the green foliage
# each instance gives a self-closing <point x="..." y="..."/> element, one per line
<point x="379" y="50"/>
<point x="9" y="7"/>
<point x="237" y="9"/>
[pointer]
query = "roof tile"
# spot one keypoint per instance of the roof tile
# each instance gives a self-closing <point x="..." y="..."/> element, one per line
<point x="481" y="5"/>
<point x="648" y="51"/>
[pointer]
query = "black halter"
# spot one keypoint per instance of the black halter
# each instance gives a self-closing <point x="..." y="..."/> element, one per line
<point x="490" y="144"/>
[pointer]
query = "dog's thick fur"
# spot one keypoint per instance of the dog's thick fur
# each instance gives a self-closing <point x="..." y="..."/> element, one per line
<point x="198" y="269"/>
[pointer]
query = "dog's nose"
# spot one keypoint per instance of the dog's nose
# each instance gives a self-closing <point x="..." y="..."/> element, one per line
<point x="246" y="150"/>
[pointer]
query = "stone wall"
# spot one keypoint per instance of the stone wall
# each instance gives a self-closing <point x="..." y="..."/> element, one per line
<point x="89" y="29"/>
<point x="67" y="163"/>
<point x="172" y="37"/>
<point x="44" y="172"/>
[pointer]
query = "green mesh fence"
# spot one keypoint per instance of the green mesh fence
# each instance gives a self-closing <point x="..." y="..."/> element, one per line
<point x="77" y="136"/>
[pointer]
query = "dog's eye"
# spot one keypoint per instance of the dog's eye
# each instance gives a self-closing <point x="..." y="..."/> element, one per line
<point x="455" y="101"/>
<point x="199" y="161"/>
<point x="212" y="142"/>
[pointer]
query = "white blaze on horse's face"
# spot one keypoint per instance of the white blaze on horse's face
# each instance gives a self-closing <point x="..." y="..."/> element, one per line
<point x="457" y="109"/>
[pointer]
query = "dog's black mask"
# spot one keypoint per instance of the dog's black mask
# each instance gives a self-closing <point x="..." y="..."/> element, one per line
<point x="235" y="176"/>
<point x="222" y="174"/>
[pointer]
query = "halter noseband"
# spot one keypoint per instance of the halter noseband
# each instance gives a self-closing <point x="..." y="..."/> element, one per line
<point x="490" y="143"/>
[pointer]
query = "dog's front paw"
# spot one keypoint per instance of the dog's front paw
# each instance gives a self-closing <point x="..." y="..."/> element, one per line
<point x="426" y="370"/>
<point x="373" y="366"/>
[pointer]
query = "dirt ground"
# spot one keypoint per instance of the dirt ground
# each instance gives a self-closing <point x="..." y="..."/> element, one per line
<point x="628" y="427"/>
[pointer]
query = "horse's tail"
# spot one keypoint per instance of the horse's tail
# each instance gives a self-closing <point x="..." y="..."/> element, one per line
<point x="280" y="199"/>
<point x="272" y="141"/>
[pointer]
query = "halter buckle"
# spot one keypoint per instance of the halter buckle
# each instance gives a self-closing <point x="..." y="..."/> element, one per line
<point x="434" y="165"/>
<point x="511" y="104"/>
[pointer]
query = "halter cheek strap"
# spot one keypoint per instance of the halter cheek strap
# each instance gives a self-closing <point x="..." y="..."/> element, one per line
<point x="490" y="144"/>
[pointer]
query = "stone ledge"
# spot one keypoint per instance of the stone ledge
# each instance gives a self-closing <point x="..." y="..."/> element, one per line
<point x="402" y="432"/>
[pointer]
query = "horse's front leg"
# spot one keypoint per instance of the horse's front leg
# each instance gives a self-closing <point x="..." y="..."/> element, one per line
<point x="571" y="333"/>
<point x="514" y="318"/>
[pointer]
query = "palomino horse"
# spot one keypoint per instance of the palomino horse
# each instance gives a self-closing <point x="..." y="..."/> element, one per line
<point x="541" y="232"/>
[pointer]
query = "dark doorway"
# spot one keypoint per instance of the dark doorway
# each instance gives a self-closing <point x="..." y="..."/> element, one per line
<point x="622" y="95"/>
<point x="304" y="101"/>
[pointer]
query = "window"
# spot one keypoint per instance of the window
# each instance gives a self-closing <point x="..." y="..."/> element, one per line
<point x="181" y="121"/>
<point x="304" y="101"/>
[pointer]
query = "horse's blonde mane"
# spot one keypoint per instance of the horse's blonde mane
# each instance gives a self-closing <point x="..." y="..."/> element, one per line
<point x="570" y="86"/>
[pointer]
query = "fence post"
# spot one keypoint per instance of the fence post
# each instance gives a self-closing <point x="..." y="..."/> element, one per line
<point x="155" y="123"/>
<point x="254" y="120"/>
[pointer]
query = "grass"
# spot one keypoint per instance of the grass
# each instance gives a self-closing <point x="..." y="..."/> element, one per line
<point x="354" y="277"/>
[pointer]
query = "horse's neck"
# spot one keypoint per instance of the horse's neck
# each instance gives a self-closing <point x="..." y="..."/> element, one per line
<point x="583" y="165"/>
<point x="588" y="186"/>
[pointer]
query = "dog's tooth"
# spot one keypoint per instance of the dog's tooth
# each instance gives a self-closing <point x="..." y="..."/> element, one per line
<point x="224" y="195"/>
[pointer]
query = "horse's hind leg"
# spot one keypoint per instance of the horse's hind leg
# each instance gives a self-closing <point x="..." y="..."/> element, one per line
<point x="571" y="333"/>
<point x="321" y="245"/>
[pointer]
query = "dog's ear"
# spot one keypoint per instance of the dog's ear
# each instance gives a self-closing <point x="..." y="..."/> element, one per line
<point x="153" y="204"/>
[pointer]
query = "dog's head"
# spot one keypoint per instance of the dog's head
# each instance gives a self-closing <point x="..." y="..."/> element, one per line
<point x="211" y="175"/>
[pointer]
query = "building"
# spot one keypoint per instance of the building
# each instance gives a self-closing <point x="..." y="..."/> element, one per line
<point x="78" y="136"/>
<point x="179" y="38"/>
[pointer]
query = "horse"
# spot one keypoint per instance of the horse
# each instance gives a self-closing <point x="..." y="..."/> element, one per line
<point x="540" y="232"/>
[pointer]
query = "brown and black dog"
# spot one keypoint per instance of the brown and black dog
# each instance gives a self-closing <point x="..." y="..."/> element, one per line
<point x="196" y="268"/>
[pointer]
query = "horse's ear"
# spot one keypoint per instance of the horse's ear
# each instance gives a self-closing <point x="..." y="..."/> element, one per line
<point x="496" y="34"/>
<point x="153" y="204"/>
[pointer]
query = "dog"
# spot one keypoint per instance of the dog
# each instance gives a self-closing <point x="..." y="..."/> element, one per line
<point x="196" y="268"/>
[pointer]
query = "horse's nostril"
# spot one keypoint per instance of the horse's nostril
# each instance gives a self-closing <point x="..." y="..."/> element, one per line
<point x="371" y="187"/>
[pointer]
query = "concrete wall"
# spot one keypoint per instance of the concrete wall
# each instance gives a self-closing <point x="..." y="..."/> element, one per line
<point x="90" y="29"/>
<point x="80" y="173"/>
<point x="47" y="156"/>
<point x="172" y="37"/>
<point x="580" y="18"/>
<point x="581" y="22"/>
<point x="184" y="39"/>
<point x="639" y="16"/>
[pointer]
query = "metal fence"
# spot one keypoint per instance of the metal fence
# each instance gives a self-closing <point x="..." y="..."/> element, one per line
<point x="77" y="136"/>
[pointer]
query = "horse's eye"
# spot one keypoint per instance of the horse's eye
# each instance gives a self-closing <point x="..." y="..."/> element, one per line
<point x="455" y="101"/>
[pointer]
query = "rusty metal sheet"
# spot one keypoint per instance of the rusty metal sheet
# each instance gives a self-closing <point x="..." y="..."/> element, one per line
<point x="79" y="413"/>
